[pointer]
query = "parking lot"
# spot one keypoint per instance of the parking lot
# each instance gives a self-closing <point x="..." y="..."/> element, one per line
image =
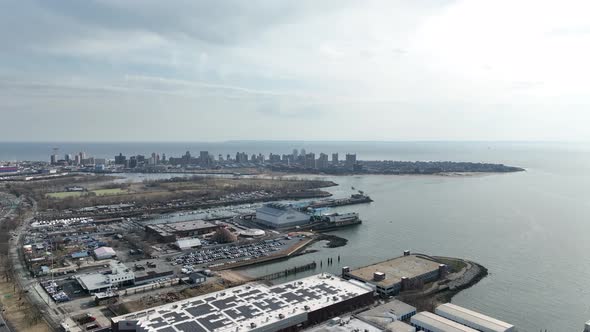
<point x="231" y="254"/>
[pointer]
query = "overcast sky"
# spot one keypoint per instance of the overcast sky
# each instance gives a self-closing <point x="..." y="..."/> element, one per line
<point x="195" y="70"/>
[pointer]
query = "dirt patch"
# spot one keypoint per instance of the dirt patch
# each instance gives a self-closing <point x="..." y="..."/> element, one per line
<point x="18" y="312"/>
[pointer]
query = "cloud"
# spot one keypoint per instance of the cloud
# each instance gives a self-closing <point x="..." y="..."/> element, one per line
<point x="379" y="69"/>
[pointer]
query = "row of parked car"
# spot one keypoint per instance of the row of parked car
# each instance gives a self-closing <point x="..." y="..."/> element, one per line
<point x="241" y="252"/>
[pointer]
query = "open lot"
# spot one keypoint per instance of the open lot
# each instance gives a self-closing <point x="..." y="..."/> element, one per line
<point x="98" y="192"/>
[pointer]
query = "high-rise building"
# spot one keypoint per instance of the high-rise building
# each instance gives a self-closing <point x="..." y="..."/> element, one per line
<point x="77" y="159"/>
<point x="53" y="159"/>
<point x="322" y="162"/>
<point x="163" y="157"/>
<point x="295" y="153"/>
<point x="303" y="152"/>
<point x="120" y="159"/>
<point x="335" y="158"/>
<point x="350" y="161"/>
<point x="68" y="157"/>
<point x="310" y="160"/>
<point x="204" y="158"/>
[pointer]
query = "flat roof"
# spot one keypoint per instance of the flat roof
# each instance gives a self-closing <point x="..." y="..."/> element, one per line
<point x="348" y="325"/>
<point x="395" y="269"/>
<point x="246" y="307"/>
<point x="449" y="310"/>
<point x="181" y="226"/>
<point x="399" y="326"/>
<point x="441" y="323"/>
<point x="382" y="315"/>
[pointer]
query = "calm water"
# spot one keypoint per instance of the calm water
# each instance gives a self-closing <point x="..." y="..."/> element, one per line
<point x="530" y="229"/>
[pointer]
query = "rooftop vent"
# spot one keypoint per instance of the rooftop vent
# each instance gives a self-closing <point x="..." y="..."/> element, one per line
<point x="378" y="276"/>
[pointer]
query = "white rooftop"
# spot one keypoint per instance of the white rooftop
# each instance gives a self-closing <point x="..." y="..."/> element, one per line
<point x="346" y="324"/>
<point x="428" y="319"/>
<point x="479" y="321"/>
<point x="246" y="307"/>
<point x="399" y="326"/>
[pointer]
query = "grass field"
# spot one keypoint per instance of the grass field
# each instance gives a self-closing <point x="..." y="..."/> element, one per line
<point x="98" y="192"/>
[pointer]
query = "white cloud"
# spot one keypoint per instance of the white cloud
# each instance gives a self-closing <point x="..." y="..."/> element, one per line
<point x="335" y="70"/>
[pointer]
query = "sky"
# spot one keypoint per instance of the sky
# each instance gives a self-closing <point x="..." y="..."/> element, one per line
<point x="151" y="70"/>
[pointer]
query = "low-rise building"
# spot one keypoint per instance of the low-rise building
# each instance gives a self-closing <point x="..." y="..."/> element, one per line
<point x="472" y="319"/>
<point x="401" y="273"/>
<point x="253" y="307"/>
<point x="188" y="243"/>
<point x="104" y="253"/>
<point x="276" y="215"/>
<point x="346" y="324"/>
<point x="389" y="312"/>
<point x="118" y="275"/>
<point x="429" y="322"/>
<point x="172" y="231"/>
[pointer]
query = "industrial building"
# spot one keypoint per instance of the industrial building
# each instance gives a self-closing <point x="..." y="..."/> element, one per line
<point x="172" y="231"/>
<point x="187" y="243"/>
<point x="276" y="215"/>
<point x="119" y="274"/>
<point x="253" y="307"/>
<point x="389" y="312"/>
<point x="104" y="253"/>
<point x="401" y="273"/>
<point x="347" y="324"/>
<point x="472" y="319"/>
<point x="429" y="322"/>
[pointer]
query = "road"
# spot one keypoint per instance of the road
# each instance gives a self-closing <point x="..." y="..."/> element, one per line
<point x="8" y="204"/>
<point x="26" y="282"/>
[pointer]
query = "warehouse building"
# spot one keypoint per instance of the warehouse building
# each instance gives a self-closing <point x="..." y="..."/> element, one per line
<point x="389" y="312"/>
<point x="472" y="319"/>
<point x="188" y="243"/>
<point x="429" y="322"/>
<point x="118" y="275"/>
<point x="346" y="324"/>
<point x="104" y="253"/>
<point x="276" y="215"/>
<point x="401" y="273"/>
<point x="172" y="231"/>
<point x="253" y="307"/>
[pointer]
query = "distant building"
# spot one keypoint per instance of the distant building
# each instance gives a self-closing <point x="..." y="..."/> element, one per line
<point x="322" y="162"/>
<point x="54" y="159"/>
<point x="275" y="215"/>
<point x="120" y="159"/>
<point x="350" y="161"/>
<point x="295" y="154"/>
<point x="335" y="159"/>
<point x="310" y="160"/>
<point x="204" y="158"/>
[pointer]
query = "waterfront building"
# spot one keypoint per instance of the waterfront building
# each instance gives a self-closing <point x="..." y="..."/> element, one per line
<point x="401" y="273"/>
<point x="253" y="307"/>
<point x="429" y="322"/>
<point x="350" y="161"/>
<point x="276" y="215"/>
<point x="472" y="319"/>
<point x="389" y="312"/>
<point x="322" y="162"/>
